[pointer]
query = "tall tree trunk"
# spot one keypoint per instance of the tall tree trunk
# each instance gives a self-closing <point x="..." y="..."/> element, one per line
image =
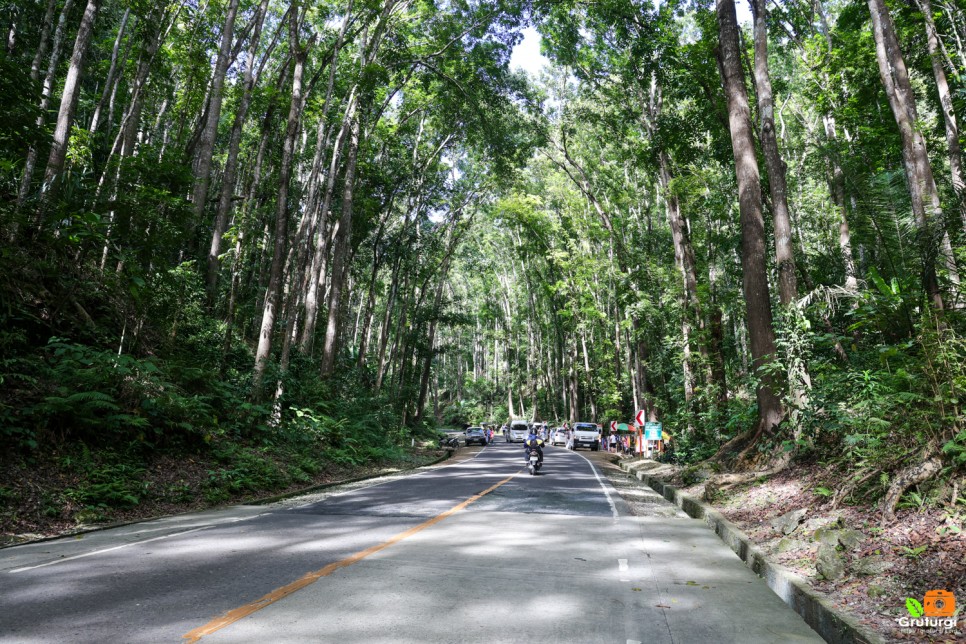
<point x="273" y="291"/>
<point x="753" y="262"/>
<point x="922" y="186"/>
<point x="206" y="144"/>
<point x="431" y="340"/>
<point x="949" y="115"/>
<point x="836" y="176"/>
<point x="784" y="253"/>
<point x="68" y="102"/>
<point x="322" y="238"/>
<point x="340" y="258"/>
<point x="44" y="36"/>
<point x="371" y="299"/>
<point x="45" y="94"/>
<point x="836" y="181"/>
<point x="110" y="85"/>
<point x="231" y="160"/>
<point x="386" y="320"/>
<point x="684" y="258"/>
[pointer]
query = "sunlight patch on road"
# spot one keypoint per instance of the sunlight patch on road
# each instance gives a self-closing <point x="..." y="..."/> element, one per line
<point x="241" y="612"/>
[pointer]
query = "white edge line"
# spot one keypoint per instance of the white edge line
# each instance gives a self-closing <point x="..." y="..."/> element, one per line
<point x="610" y="501"/>
<point x="98" y="552"/>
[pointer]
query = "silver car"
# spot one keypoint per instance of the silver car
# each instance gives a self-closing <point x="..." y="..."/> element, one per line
<point x="476" y="435"/>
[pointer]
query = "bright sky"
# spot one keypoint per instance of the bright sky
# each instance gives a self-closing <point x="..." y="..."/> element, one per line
<point x="527" y="53"/>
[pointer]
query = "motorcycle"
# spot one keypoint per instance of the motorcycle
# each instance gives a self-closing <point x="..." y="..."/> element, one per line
<point x="533" y="464"/>
<point x="449" y="442"/>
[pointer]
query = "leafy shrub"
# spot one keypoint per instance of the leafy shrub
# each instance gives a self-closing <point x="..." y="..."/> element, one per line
<point x="99" y="395"/>
<point x="117" y="485"/>
<point x="245" y="470"/>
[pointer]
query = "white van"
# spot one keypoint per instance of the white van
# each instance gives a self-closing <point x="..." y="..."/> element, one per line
<point x="518" y="431"/>
<point x="586" y="435"/>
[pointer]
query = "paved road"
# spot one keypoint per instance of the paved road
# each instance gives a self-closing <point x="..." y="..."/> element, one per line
<point x="477" y="551"/>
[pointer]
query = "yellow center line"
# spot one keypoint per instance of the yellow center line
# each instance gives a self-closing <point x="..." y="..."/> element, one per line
<point x="236" y="614"/>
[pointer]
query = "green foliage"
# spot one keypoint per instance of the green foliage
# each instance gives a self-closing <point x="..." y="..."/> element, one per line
<point x="102" y="396"/>
<point x="245" y="470"/>
<point x="913" y="553"/>
<point x="108" y="480"/>
<point x="912" y="500"/>
<point x="824" y="492"/>
<point x="18" y="128"/>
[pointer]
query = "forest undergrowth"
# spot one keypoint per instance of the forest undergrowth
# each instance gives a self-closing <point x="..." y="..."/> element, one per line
<point x="802" y="520"/>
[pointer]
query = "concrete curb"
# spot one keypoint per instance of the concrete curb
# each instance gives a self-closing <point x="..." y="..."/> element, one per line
<point x="831" y="624"/>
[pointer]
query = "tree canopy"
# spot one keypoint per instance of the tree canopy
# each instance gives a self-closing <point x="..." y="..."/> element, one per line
<point x="344" y="222"/>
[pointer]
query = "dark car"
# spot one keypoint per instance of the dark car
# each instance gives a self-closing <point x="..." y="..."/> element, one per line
<point x="475" y="435"/>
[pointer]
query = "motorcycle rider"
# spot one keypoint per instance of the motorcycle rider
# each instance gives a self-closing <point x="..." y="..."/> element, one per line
<point x="533" y="442"/>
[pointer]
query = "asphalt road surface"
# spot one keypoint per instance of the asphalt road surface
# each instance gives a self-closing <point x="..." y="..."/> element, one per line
<point x="475" y="551"/>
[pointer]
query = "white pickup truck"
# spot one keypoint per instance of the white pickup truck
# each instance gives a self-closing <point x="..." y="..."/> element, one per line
<point x="586" y="435"/>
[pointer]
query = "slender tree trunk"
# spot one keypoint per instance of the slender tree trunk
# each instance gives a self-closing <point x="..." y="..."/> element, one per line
<point x="684" y="258"/>
<point x="386" y="321"/>
<point x="753" y="262"/>
<point x="949" y="114"/>
<point x="719" y="375"/>
<point x="784" y="253"/>
<point x="836" y="177"/>
<point x="44" y="36"/>
<point x="110" y="84"/>
<point x="371" y="299"/>
<point x="273" y="291"/>
<point x="836" y="183"/>
<point x="68" y="102"/>
<point x="340" y="258"/>
<point x="45" y="94"/>
<point x="206" y="144"/>
<point x="922" y="186"/>
<point x="320" y="256"/>
<point x="574" y="410"/>
<point x="431" y="340"/>
<point x="231" y="160"/>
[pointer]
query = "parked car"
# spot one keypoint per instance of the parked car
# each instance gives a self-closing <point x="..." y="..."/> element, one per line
<point x="558" y="436"/>
<point x="476" y="435"/>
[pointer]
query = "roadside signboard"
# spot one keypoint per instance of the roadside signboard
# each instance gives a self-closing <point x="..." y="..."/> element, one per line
<point x="613" y="425"/>
<point x="652" y="431"/>
<point x="641" y="417"/>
